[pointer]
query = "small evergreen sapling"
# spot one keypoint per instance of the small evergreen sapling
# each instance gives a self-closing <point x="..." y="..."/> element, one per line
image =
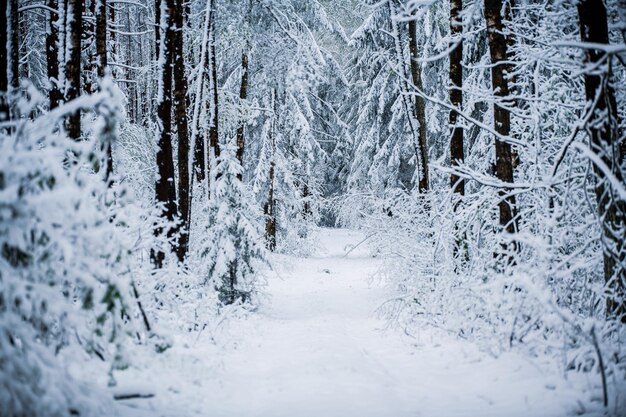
<point x="234" y="245"/>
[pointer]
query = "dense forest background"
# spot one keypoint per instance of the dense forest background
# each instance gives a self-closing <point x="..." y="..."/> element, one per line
<point x="155" y="155"/>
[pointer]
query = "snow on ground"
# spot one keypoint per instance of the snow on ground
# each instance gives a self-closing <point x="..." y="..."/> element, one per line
<point x="316" y="347"/>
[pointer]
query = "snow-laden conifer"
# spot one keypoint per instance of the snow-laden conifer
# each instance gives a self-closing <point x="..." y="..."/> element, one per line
<point x="234" y="247"/>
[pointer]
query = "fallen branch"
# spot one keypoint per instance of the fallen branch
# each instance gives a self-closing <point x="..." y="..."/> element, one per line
<point x="121" y="397"/>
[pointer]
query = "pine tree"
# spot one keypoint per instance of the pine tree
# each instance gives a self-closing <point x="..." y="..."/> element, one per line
<point x="234" y="250"/>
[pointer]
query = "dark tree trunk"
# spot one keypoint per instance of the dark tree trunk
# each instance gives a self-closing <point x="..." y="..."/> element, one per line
<point x="180" y="112"/>
<point x="306" y="196"/>
<point x="24" y="45"/>
<point x="101" y="37"/>
<point x="420" y="112"/>
<point x="243" y="95"/>
<point x="4" y="69"/>
<point x="199" y="145"/>
<point x="72" y="66"/>
<point x="456" y="95"/>
<point x="603" y="131"/>
<point x="457" y="154"/>
<point x="502" y="117"/>
<point x="102" y="62"/>
<point x="14" y="41"/>
<point x="89" y="29"/>
<point x="157" y="31"/>
<point x="213" y="131"/>
<point x="269" y="209"/>
<point x="165" y="189"/>
<point x="52" y="48"/>
<point x="511" y="68"/>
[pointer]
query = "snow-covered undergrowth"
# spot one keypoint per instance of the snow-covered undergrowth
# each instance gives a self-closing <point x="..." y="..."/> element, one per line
<point x="453" y="271"/>
<point x="66" y="270"/>
<point x="315" y="346"/>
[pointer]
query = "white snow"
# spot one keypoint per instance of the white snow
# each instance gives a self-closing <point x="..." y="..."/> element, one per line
<point x="317" y="347"/>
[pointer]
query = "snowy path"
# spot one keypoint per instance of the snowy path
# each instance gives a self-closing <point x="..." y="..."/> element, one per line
<point x="316" y="348"/>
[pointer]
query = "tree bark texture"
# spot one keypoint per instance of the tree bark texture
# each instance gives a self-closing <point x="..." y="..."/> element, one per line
<point x="213" y="131"/>
<point x="199" y="160"/>
<point x="4" y="67"/>
<point x="269" y="209"/>
<point x="603" y="129"/>
<point x="52" y="48"/>
<point x="420" y="111"/>
<point x="72" y="66"/>
<point x="101" y="37"/>
<point x="456" y="95"/>
<point x="243" y="95"/>
<point x="14" y="42"/>
<point x="101" y="63"/>
<point x="182" y="127"/>
<point x="165" y="189"/>
<point x="502" y="116"/>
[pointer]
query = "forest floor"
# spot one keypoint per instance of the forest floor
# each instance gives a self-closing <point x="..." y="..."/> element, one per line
<point x="317" y="347"/>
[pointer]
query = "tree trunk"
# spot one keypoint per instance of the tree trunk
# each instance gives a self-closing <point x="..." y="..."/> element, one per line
<point x="52" y="48"/>
<point x="420" y="112"/>
<point x="306" y="196"/>
<point x="213" y="131"/>
<point x="14" y="42"/>
<point x="101" y="64"/>
<point x="24" y="44"/>
<point x="101" y="37"/>
<point x="4" y="67"/>
<point x="72" y="65"/>
<point x="243" y="95"/>
<point x="89" y="30"/>
<point x="269" y="208"/>
<point x="515" y="88"/>
<point x="180" y="111"/>
<point x="502" y="117"/>
<point x="165" y="190"/>
<point x="605" y="143"/>
<point x="199" y="167"/>
<point x="456" y="95"/>
<point x="405" y="178"/>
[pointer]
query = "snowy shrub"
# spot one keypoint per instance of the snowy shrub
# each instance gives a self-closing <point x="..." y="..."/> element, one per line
<point x="135" y="153"/>
<point x="64" y="267"/>
<point x="549" y="302"/>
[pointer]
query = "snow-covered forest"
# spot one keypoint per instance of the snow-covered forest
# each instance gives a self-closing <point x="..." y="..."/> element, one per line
<point x="266" y="208"/>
